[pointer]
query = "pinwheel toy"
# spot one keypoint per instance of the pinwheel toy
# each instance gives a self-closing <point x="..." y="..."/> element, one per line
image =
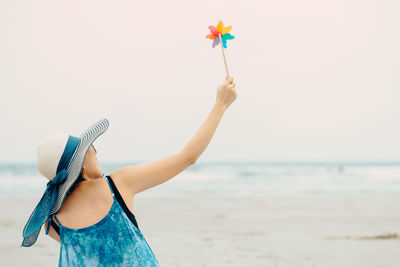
<point x="220" y="34"/>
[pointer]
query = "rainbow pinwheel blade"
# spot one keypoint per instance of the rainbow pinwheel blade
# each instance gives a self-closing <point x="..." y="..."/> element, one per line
<point x="215" y="42"/>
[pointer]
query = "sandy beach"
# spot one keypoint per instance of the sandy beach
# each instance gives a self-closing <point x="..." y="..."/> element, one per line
<point x="238" y="231"/>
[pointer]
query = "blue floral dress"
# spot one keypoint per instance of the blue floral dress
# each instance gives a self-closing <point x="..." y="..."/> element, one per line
<point x="113" y="241"/>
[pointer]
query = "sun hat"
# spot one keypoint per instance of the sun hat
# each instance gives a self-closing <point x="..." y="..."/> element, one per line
<point x="59" y="158"/>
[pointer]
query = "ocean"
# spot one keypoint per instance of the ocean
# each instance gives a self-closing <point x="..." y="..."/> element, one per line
<point x="239" y="179"/>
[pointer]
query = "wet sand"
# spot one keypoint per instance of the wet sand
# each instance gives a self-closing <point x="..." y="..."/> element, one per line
<point x="237" y="231"/>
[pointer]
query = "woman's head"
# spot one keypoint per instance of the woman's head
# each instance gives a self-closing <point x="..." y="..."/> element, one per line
<point x="91" y="169"/>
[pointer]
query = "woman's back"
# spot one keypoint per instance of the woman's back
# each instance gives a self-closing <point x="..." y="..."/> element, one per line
<point x="106" y="236"/>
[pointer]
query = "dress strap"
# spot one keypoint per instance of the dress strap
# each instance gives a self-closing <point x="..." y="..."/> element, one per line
<point x="122" y="203"/>
<point x="109" y="185"/>
<point x="55" y="217"/>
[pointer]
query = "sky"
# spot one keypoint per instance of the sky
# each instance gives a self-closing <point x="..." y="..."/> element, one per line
<point x="316" y="80"/>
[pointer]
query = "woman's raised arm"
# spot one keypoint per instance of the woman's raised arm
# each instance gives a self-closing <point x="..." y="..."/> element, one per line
<point x="137" y="178"/>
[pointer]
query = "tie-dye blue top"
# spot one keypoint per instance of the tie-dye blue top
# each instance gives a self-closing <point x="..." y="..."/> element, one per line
<point x="113" y="241"/>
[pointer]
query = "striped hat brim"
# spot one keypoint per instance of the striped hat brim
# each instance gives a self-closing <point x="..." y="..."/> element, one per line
<point x="77" y="160"/>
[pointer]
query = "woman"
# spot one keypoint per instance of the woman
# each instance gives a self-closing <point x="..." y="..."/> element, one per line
<point x="94" y="196"/>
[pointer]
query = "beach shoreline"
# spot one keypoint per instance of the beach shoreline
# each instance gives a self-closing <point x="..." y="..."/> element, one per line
<point x="360" y="230"/>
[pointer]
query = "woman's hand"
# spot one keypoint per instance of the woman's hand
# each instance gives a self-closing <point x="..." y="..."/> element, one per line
<point x="226" y="93"/>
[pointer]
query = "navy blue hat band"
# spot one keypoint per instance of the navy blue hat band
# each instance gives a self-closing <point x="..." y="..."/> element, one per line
<point x="69" y="150"/>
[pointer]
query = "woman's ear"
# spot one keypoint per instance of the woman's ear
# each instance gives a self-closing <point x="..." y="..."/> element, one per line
<point x="83" y="172"/>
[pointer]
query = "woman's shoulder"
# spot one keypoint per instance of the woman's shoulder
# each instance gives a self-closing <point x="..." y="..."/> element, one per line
<point x="87" y="194"/>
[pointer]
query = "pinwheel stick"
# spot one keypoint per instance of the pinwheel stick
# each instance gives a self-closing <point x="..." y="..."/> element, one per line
<point x="226" y="66"/>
